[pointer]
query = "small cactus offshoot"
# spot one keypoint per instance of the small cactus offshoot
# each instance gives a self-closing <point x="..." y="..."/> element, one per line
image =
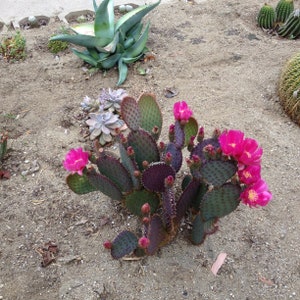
<point x="266" y="17"/>
<point x="224" y="170"/>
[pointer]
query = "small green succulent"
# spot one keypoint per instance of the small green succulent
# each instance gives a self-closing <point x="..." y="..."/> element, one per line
<point x="109" y="43"/>
<point x="13" y="48"/>
<point x="57" y="46"/>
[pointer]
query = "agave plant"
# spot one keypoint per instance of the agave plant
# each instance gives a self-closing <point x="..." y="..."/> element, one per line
<point x="109" y="43"/>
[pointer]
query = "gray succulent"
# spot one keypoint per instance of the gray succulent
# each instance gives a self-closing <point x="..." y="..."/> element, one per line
<point x="111" y="99"/>
<point x="103" y="125"/>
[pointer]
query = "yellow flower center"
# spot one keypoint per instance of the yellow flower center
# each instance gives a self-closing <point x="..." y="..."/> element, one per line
<point x="252" y="195"/>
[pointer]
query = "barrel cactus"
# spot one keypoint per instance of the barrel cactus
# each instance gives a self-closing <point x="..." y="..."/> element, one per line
<point x="266" y="17"/>
<point x="283" y="9"/>
<point x="291" y="27"/>
<point x="289" y="88"/>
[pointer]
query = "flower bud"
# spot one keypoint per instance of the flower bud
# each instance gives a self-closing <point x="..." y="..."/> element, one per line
<point x="137" y="174"/>
<point x="107" y="244"/>
<point x="145" y="164"/>
<point x="169" y="181"/>
<point x="146" y="220"/>
<point x="172" y="133"/>
<point x="146" y="208"/>
<point x="200" y="136"/>
<point x="161" y="146"/>
<point x="168" y="158"/>
<point x="216" y="133"/>
<point x="144" y="242"/>
<point x="191" y="144"/>
<point x="130" y="151"/>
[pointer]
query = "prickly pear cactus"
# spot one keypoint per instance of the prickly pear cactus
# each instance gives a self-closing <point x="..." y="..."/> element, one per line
<point x="291" y="27"/>
<point x="289" y="88"/>
<point x="283" y="9"/>
<point x="266" y="17"/>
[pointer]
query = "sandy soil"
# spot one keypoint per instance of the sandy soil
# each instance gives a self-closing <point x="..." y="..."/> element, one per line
<point x="227" y="69"/>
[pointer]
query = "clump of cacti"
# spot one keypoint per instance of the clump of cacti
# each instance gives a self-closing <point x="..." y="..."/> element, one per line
<point x="289" y="88"/>
<point x="283" y="19"/>
<point x="224" y="171"/>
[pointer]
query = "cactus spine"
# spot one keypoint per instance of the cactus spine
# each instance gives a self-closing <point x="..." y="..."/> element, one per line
<point x="289" y="88"/>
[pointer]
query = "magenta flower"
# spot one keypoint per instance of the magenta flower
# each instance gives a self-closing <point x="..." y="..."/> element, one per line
<point x="249" y="174"/>
<point x="231" y="142"/>
<point x="76" y="160"/>
<point x="144" y="242"/>
<point x="251" y="154"/>
<point x="181" y="111"/>
<point x="256" y="194"/>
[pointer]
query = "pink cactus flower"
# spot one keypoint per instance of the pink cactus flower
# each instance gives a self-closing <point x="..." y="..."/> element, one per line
<point x="257" y="194"/>
<point x="251" y="154"/>
<point x="231" y="142"/>
<point x="76" y="160"/>
<point x="181" y="111"/>
<point x="249" y="174"/>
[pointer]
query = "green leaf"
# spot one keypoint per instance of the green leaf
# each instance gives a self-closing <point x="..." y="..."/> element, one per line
<point x="110" y="61"/>
<point x="127" y="21"/>
<point x="86" y="57"/>
<point x="123" y="71"/>
<point x="104" y="21"/>
<point x="84" y="28"/>
<point x="79" y="184"/>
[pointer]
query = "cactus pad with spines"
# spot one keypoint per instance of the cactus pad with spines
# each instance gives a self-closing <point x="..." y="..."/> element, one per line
<point x="202" y="228"/>
<point x="216" y="172"/>
<point x="135" y="200"/>
<point x="144" y="147"/>
<point x="130" y="113"/>
<point x="80" y="184"/>
<point x="283" y="9"/>
<point x="125" y="243"/>
<point x="190" y="129"/>
<point x="198" y="149"/>
<point x="150" y="114"/>
<point x="113" y="169"/>
<point x="169" y="209"/>
<point x="266" y="17"/>
<point x="153" y="178"/>
<point x="220" y="202"/>
<point x="179" y="135"/>
<point x="289" y="88"/>
<point x="176" y="156"/>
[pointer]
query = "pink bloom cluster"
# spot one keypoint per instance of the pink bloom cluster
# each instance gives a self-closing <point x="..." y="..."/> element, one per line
<point x="76" y="160"/>
<point x="247" y="153"/>
<point x="181" y="111"/>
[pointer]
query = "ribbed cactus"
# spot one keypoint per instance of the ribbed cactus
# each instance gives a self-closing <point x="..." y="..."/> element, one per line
<point x="283" y="9"/>
<point x="291" y="27"/>
<point x="289" y="88"/>
<point x="266" y="17"/>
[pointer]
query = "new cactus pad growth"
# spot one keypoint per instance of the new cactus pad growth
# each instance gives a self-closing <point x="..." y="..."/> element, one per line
<point x="289" y="88"/>
<point x="144" y="178"/>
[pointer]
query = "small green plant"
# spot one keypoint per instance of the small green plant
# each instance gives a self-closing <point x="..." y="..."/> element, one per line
<point x="109" y="43"/>
<point x="289" y="88"/>
<point x="13" y="48"/>
<point x="57" y="46"/>
<point x="224" y="171"/>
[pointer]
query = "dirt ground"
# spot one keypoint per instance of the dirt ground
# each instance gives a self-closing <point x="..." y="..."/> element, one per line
<point x="227" y="70"/>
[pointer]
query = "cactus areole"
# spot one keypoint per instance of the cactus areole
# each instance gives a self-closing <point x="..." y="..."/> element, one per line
<point x="224" y="171"/>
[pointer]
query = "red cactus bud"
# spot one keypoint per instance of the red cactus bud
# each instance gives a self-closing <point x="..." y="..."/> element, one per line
<point x="146" y="208"/>
<point x="130" y="151"/>
<point x="161" y="146"/>
<point x="169" y="181"/>
<point x="146" y="220"/>
<point x="191" y="143"/>
<point x="196" y="159"/>
<point x="137" y="174"/>
<point x="216" y="133"/>
<point x="168" y="158"/>
<point x="155" y="130"/>
<point x="144" y="242"/>
<point x="200" y="136"/>
<point x="123" y="139"/>
<point x="172" y="133"/>
<point x="107" y="244"/>
<point x="145" y="164"/>
<point x="189" y="162"/>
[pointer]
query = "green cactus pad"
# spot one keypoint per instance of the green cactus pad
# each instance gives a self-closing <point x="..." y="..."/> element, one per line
<point x="135" y="200"/>
<point x="190" y="129"/>
<point x="185" y="181"/>
<point x="291" y="27"/>
<point x="186" y="198"/>
<point x="217" y="172"/>
<point x="283" y="9"/>
<point x="220" y="202"/>
<point x="179" y="135"/>
<point x="156" y="234"/>
<point x="130" y="165"/>
<point x="266" y="17"/>
<point x="169" y="208"/>
<point x="289" y="88"/>
<point x="201" y="229"/>
<point x="80" y="184"/>
<point x="115" y="171"/>
<point x="198" y="150"/>
<point x="105" y="185"/>
<point x="197" y="200"/>
<point x="176" y="156"/>
<point x="125" y="243"/>
<point x="153" y="178"/>
<point x="144" y="147"/>
<point x="130" y="113"/>
<point x="150" y="114"/>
